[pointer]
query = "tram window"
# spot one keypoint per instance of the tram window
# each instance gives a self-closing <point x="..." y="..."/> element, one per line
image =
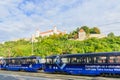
<point x="84" y="60"/>
<point x="101" y="59"/>
<point x="28" y="61"/>
<point x="12" y="61"/>
<point x="17" y="61"/>
<point x="79" y="60"/>
<point x="3" y="61"/>
<point x="24" y="61"/>
<point x="111" y="59"/>
<point x="34" y="61"/>
<point x="20" y="61"/>
<point x="6" y="61"/>
<point x="49" y="61"/>
<point x="55" y="60"/>
<point x="74" y="60"/>
<point x="0" y="61"/>
<point x="89" y="60"/>
<point x="37" y="61"/>
<point x="95" y="59"/>
<point x="117" y="59"/>
<point x="65" y="60"/>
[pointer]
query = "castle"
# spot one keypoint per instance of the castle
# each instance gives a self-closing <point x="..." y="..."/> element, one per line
<point x="82" y="35"/>
<point x="49" y="32"/>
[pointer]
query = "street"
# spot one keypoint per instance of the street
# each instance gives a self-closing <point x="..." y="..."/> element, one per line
<point x="12" y="75"/>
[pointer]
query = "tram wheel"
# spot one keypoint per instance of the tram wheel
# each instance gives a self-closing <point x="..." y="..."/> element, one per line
<point x="103" y="74"/>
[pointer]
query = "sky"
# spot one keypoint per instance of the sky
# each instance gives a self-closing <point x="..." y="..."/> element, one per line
<point x="21" y="18"/>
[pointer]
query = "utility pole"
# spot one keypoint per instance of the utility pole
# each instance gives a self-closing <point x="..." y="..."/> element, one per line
<point x="9" y="52"/>
<point x="32" y="44"/>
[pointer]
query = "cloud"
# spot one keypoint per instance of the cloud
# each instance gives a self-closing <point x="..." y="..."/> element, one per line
<point x="25" y="16"/>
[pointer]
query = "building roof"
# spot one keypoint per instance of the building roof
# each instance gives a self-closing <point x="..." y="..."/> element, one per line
<point x="55" y="29"/>
<point x="81" y="30"/>
<point x="46" y="32"/>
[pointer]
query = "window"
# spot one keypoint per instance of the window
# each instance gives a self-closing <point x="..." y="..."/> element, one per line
<point x="84" y="60"/>
<point x="90" y="60"/>
<point x="12" y="61"/>
<point x="34" y="61"/>
<point x="18" y="61"/>
<point x="24" y="61"/>
<point x="0" y="61"/>
<point x="74" y="60"/>
<point x="117" y="59"/>
<point x="79" y="60"/>
<point x="101" y="59"/>
<point x="95" y="59"/>
<point x="49" y="60"/>
<point x="56" y="60"/>
<point x="65" y="60"/>
<point x="111" y="59"/>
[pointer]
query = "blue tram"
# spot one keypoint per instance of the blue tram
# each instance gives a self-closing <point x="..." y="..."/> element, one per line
<point x="50" y="64"/>
<point x="31" y="64"/>
<point x="1" y="62"/>
<point x="84" y="64"/>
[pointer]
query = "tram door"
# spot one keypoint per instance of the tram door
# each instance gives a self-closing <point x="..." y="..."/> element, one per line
<point x="57" y="62"/>
<point x="61" y="63"/>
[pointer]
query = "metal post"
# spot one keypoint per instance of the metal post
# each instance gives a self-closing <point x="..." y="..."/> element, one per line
<point x="9" y="52"/>
<point x="32" y="44"/>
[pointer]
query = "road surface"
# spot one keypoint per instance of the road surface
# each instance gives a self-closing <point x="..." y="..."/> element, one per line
<point x="12" y="75"/>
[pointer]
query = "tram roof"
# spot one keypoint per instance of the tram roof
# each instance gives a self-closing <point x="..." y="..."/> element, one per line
<point x="91" y="54"/>
<point x="22" y="57"/>
<point x="52" y="56"/>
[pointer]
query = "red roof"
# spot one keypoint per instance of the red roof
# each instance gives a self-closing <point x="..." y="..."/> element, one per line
<point x="46" y="32"/>
<point x="81" y="30"/>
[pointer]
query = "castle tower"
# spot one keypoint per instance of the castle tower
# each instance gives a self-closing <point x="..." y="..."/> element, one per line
<point x="81" y="34"/>
<point x="55" y="29"/>
<point x="37" y="34"/>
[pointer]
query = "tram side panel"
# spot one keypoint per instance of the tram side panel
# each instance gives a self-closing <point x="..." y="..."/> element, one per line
<point x="92" y="65"/>
<point x="31" y="64"/>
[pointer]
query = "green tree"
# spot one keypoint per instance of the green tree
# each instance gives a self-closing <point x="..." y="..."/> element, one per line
<point x="111" y="34"/>
<point x="58" y="44"/>
<point x="86" y="29"/>
<point x="95" y="30"/>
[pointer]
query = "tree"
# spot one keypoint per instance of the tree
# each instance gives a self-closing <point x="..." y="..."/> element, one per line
<point x="58" y="44"/>
<point x="86" y="29"/>
<point x="95" y="30"/>
<point x="74" y="34"/>
<point x="111" y="34"/>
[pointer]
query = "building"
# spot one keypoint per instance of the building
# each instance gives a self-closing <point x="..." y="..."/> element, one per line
<point x="97" y="35"/>
<point x="49" y="32"/>
<point x="82" y="35"/>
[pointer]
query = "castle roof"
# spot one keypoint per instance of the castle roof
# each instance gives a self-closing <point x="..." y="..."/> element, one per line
<point x="81" y="30"/>
<point x="46" y="32"/>
<point x="55" y="29"/>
